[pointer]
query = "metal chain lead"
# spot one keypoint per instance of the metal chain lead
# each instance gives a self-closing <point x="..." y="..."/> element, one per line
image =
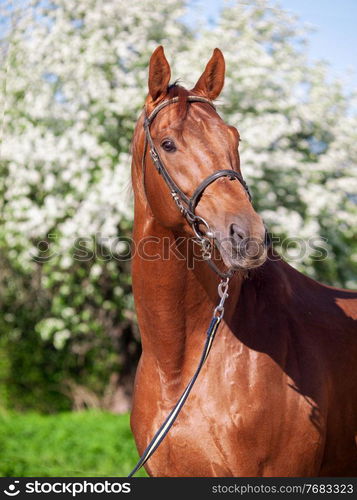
<point x="223" y="293"/>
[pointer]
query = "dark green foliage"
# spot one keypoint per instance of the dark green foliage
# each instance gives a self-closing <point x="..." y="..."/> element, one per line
<point x="42" y="368"/>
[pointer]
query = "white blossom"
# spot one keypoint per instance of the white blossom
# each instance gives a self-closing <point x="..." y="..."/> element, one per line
<point x="76" y="77"/>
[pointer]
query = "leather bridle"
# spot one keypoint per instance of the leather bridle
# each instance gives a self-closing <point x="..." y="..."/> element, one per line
<point x="186" y="205"/>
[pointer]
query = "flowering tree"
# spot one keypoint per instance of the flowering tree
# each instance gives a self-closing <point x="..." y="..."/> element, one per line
<point x="74" y="78"/>
<point x="298" y="148"/>
<point x="74" y="75"/>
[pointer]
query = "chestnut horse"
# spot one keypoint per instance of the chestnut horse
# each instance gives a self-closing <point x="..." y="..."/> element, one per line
<point x="278" y="393"/>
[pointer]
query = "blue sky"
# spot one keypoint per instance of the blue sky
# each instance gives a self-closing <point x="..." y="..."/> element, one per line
<point x="335" y="22"/>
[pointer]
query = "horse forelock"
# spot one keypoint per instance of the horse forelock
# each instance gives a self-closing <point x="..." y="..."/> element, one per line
<point x="176" y="90"/>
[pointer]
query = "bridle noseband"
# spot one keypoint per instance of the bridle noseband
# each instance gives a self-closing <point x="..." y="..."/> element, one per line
<point x="187" y="206"/>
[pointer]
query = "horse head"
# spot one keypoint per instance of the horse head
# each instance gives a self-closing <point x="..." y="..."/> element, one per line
<point x="192" y="146"/>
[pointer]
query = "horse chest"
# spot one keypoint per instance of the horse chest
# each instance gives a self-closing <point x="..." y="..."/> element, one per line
<point x="232" y="425"/>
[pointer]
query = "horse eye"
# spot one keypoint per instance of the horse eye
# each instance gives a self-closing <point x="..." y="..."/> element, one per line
<point x="168" y="145"/>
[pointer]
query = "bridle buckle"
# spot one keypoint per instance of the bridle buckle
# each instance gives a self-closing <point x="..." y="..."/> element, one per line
<point x="155" y="158"/>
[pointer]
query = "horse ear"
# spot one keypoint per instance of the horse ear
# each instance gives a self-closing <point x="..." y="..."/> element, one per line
<point x="159" y="74"/>
<point x="211" y="81"/>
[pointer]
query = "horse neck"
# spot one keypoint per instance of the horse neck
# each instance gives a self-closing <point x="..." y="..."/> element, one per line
<point x="174" y="303"/>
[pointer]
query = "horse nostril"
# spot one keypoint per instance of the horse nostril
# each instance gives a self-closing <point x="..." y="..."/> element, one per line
<point x="267" y="239"/>
<point x="236" y="233"/>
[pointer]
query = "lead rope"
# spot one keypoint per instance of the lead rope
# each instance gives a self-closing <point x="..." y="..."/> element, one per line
<point x="210" y="334"/>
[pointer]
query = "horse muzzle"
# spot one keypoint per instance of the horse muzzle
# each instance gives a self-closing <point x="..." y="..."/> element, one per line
<point x="241" y="248"/>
